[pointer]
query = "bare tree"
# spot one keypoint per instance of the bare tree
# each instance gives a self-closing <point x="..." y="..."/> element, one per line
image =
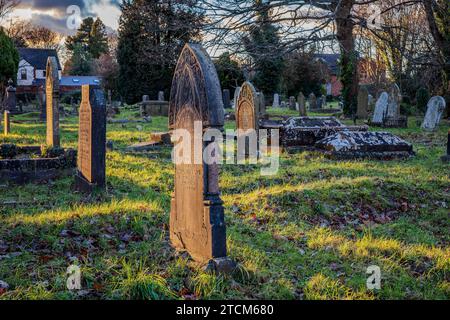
<point x="6" y="7"/>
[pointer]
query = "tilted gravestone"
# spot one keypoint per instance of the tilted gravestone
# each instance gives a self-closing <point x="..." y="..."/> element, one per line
<point x="435" y="109"/>
<point x="292" y="103"/>
<point x="380" y="109"/>
<point x="6" y="123"/>
<point x="226" y="99"/>
<point x="312" y="101"/>
<point x="197" y="214"/>
<point x="91" y="160"/>
<point x="276" y="101"/>
<point x="363" y="103"/>
<point x="52" y="100"/>
<point x="301" y="105"/>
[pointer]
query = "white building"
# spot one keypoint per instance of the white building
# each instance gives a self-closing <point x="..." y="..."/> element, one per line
<point x="32" y="65"/>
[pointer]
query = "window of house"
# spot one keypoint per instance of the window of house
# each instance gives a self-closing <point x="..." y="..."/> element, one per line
<point x="23" y="74"/>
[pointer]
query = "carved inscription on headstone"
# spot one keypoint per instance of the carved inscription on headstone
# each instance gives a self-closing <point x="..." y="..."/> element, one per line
<point x="197" y="215"/>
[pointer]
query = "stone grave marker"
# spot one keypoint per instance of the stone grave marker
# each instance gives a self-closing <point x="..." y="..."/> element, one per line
<point x="292" y="103"/>
<point x="380" y="108"/>
<point x="161" y="96"/>
<point x="312" y="101"/>
<point x="10" y="102"/>
<point x="91" y="160"/>
<point x="52" y="100"/>
<point x="276" y="101"/>
<point x="42" y="103"/>
<point x="262" y="104"/>
<point x="235" y="97"/>
<point x="226" y="99"/>
<point x="435" y="109"/>
<point x="247" y="114"/>
<point x="6" y="122"/>
<point x="363" y="103"/>
<point x="395" y="98"/>
<point x="446" y="158"/>
<point x="301" y="105"/>
<point x="197" y="214"/>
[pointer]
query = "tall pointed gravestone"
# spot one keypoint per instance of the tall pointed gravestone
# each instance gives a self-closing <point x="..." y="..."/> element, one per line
<point x="91" y="160"/>
<point x="52" y="100"/>
<point x="197" y="214"/>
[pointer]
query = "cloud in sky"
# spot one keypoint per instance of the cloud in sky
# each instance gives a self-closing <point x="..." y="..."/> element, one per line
<point x="53" y="14"/>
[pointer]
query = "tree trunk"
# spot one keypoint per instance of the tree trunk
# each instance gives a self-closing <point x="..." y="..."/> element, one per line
<point x="443" y="46"/>
<point x="349" y="58"/>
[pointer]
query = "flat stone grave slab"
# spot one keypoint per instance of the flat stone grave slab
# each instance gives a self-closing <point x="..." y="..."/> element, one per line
<point x="306" y="131"/>
<point x="352" y="145"/>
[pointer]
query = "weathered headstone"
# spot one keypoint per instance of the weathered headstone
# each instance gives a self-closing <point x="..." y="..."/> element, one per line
<point x="324" y="102"/>
<point x="52" y="94"/>
<point x="276" y="101"/>
<point x="301" y="105"/>
<point x="91" y="161"/>
<point x="10" y="102"/>
<point x="446" y="158"/>
<point x="292" y="103"/>
<point x="236" y="96"/>
<point x="261" y="104"/>
<point x="312" y="101"/>
<point x="145" y="98"/>
<point x="6" y="123"/>
<point x="380" y="109"/>
<point x="246" y="110"/>
<point x="197" y="214"/>
<point x="42" y="103"/>
<point x="363" y="103"/>
<point x="395" y="98"/>
<point x="161" y="96"/>
<point x="226" y="99"/>
<point x="435" y="109"/>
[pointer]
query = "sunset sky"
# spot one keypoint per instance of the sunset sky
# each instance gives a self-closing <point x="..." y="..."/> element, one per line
<point x="52" y="14"/>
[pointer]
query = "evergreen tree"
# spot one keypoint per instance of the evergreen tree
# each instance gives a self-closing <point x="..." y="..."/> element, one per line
<point x="80" y="63"/>
<point x="151" y="36"/>
<point x="9" y="61"/>
<point x="263" y="45"/>
<point x="229" y="72"/>
<point x="91" y="36"/>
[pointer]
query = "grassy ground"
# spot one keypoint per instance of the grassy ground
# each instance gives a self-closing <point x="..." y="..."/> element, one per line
<point x="309" y="232"/>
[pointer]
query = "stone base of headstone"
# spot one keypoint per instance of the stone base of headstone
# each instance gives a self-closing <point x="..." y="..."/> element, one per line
<point x="221" y="266"/>
<point x="84" y="186"/>
<point x="214" y="230"/>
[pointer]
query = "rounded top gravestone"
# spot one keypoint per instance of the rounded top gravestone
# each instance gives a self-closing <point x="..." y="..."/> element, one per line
<point x="246" y="113"/>
<point x="196" y="72"/>
<point x="196" y="215"/>
<point x="381" y="108"/>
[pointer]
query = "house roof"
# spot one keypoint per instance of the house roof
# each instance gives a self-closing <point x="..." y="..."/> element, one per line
<point x="38" y="57"/>
<point x="332" y="61"/>
<point x="76" y="81"/>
